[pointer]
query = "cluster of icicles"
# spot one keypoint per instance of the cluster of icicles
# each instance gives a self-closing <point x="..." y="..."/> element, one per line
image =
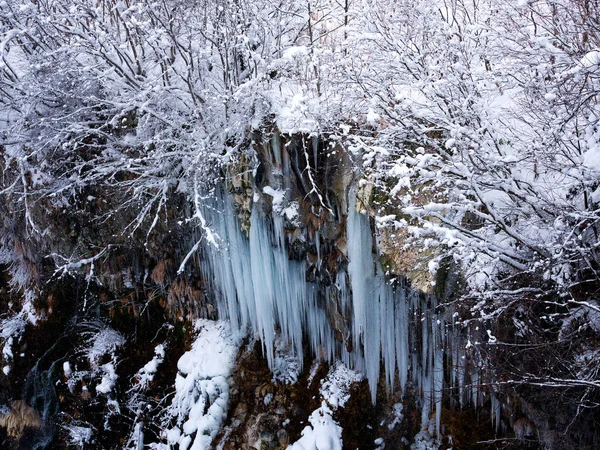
<point x="257" y="285"/>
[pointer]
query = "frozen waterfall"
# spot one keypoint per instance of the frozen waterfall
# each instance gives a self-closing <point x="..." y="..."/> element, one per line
<point x="394" y="327"/>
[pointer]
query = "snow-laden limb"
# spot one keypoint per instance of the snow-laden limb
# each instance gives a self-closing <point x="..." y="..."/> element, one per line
<point x="71" y="265"/>
<point x="208" y="233"/>
<point x="554" y="382"/>
<point x="201" y="399"/>
<point x="145" y="375"/>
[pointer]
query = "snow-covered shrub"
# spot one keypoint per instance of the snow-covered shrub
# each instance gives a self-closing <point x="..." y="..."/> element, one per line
<point x="201" y="398"/>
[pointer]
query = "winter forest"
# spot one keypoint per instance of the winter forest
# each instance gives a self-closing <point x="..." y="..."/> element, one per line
<point x="302" y="225"/>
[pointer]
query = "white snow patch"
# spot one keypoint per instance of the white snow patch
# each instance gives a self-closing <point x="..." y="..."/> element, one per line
<point x="286" y="367"/>
<point x="397" y="416"/>
<point x="591" y="60"/>
<point x="109" y="379"/>
<point x="325" y="433"/>
<point x="67" y="369"/>
<point x="10" y="330"/>
<point x="372" y="117"/>
<point x="424" y="440"/>
<point x="281" y="205"/>
<point x="591" y="158"/>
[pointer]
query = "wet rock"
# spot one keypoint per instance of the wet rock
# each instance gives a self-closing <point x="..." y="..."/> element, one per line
<point x="282" y="437"/>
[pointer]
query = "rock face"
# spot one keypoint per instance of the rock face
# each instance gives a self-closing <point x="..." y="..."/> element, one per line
<point x="303" y="262"/>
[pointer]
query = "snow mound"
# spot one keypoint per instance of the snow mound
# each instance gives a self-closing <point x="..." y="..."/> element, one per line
<point x="324" y="434"/>
<point x="202" y="388"/>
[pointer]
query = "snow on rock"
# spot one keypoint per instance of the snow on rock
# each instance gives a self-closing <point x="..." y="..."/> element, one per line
<point x="336" y="387"/>
<point x="108" y="379"/>
<point x="281" y="205"/>
<point x="201" y="399"/>
<point x="425" y="440"/>
<point x="324" y="434"/>
<point x="397" y="415"/>
<point x="278" y="198"/>
<point x="286" y="368"/>
<point x="10" y="329"/>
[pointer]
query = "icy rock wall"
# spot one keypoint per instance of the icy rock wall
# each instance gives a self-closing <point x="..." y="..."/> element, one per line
<point x="257" y="285"/>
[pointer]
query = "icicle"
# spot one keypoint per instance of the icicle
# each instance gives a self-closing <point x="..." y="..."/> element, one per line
<point x="257" y="285"/>
<point x="318" y="245"/>
<point x="475" y="388"/>
<point x="401" y="335"/>
<point x="315" y="149"/>
<point x="365" y="292"/>
<point x="438" y="372"/>
<point x="495" y="413"/>
<point x="276" y="146"/>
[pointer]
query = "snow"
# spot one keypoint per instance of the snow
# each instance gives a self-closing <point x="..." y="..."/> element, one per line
<point x="591" y="60"/>
<point x="146" y="374"/>
<point x="591" y="158"/>
<point x="281" y="205"/>
<point x="109" y="378"/>
<point x="79" y="436"/>
<point x="372" y="117"/>
<point x="103" y="343"/>
<point x="322" y="434"/>
<point x="67" y="369"/>
<point x="335" y="388"/>
<point x="523" y="159"/>
<point x="10" y="330"/>
<point x="286" y="368"/>
<point x="424" y="440"/>
<point x="201" y="399"/>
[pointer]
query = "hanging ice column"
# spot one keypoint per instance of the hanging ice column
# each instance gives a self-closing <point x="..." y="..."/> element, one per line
<point x="257" y="285"/>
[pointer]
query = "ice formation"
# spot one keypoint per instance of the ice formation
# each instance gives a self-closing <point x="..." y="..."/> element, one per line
<point x="257" y="285"/>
